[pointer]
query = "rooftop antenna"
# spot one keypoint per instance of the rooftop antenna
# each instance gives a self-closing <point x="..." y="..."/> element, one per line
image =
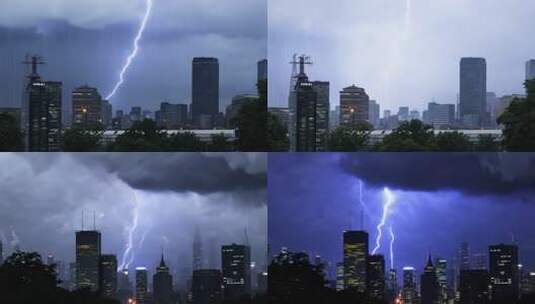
<point x="33" y="61"/>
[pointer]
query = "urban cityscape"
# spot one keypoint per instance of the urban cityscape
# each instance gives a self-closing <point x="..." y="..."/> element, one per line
<point x="366" y="102"/>
<point x="111" y="239"/>
<point x="373" y="231"/>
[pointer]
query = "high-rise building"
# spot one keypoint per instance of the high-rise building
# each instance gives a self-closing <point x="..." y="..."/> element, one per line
<point x="163" y="284"/>
<point x="408" y="293"/>
<point x="464" y="256"/>
<point x="530" y="69"/>
<point x="236" y="271"/>
<point x="442" y="278"/>
<point x="322" y="113"/>
<point x="503" y="270"/>
<point x="42" y="111"/>
<point x="334" y="119"/>
<point x="403" y="113"/>
<point x="473" y="92"/>
<point x="88" y="108"/>
<point x="206" y="286"/>
<point x="136" y="114"/>
<point x="355" y="259"/>
<point x="374" y="113"/>
<point x="479" y="261"/>
<point x="171" y="116"/>
<point x="124" y="286"/>
<point x="354" y="106"/>
<point x="339" y="276"/>
<point x="262" y="69"/>
<point x="197" y="250"/>
<point x="392" y="286"/>
<point x="283" y="114"/>
<point x="440" y="115"/>
<point x="205" y="89"/>
<point x="236" y="105"/>
<point x="474" y="286"/>
<point x="141" y="285"/>
<point x="430" y="288"/>
<point x="376" y="276"/>
<point x="108" y="275"/>
<point x="88" y="251"/>
<point x="414" y="115"/>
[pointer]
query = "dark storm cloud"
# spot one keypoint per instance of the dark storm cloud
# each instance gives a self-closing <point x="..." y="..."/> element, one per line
<point x="477" y="174"/>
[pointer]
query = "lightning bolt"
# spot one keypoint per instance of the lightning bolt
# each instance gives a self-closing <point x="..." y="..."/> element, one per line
<point x="362" y="203"/>
<point x="128" y="255"/>
<point x="392" y="239"/>
<point x="389" y="201"/>
<point x="132" y="55"/>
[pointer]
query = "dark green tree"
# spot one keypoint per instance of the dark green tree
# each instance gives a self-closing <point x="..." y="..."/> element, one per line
<point x="346" y="139"/>
<point x="220" y="143"/>
<point x="182" y="142"/>
<point x="410" y="136"/>
<point x="11" y="137"/>
<point x="453" y="142"/>
<point x="83" y="139"/>
<point x="251" y="123"/>
<point x="487" y="143"/>
<point x="143" y="136"/>
<point x="278" y="140"/>
<point x="518" y="121"/>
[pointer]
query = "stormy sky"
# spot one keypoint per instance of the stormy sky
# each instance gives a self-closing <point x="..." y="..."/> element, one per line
<point x="440" y="201"/>
<point x="403" y="52"/>
<point x="87" y="42"/>
<point x="223" y="195"/>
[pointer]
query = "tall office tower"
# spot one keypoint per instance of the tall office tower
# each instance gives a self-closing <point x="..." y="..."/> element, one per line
<point x="503" y="270"/>
<point x="530" y="69"/>
<point x="408" y="293"/>
<point x="206" y="286"/>
<point x="72" y="276"/>
<point x="87" y="107"/>
<point x="392" y="286"/>
<point x="205" y="90"/>
<point x="339" y="276"/>
<point x="354" y="106"/>
<point x="479" y="261"/>
<point x="197" y="250"/>
<point x="473" y="92"/>
<point x="334" y="119"/>
<point x="376" y="276"/>
<point x="355" y="259"/>
<point x="163" y="284"/>
<point x="440" y="115"/>
<point x="41" y="111"/>
<point x="262" y="69"/>
<point x="374" y="113"/>
<point x="442" y="277"/>
<point x="295" y="77"/>
<point x="464" y="256"/>
<point x="135" y="114"/>
<point x="88" y="253"/>
<point x="403" y="113"/>
<point x="474" y="287"/>
<point x="171" y="116"/>
<point x="124" y="286"/>
<point x="236" y="270"/>
<point x="322" y="113"/>
<point x="141" y="285"/>
<point x="108" y="275"/>
<point x="430" y="288"/>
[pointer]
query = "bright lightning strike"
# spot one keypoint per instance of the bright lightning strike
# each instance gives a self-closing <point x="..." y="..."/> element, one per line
<point x="128" y="255"/>
<point x="133" y="55"/>
<point x="392" y="239"/>
<point x="389" y="201"/>
<point x="362" y="204"/>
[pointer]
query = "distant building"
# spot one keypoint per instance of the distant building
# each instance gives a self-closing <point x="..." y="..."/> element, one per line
<point x="442" y="277"/>
<point x="236" y="271"/>
<point x="163" y="284"/>
<point x="430" y="288"/>
<point x="339" y="276"/>
<point x="88" y="108"/>
<point x="262" y="70"/>
<point x="135" y="114"/>
<point x="503" y="270"/>
<point x="171" y="116"/>
<point x="474" y="287"/>
<point x="124" y="286"/>
<point x="376" y="277"/>
<point x="414" y="115"/>
<point x="530" y="69"/>
<point x="505" y="101"/>
<point x="473" y="92"/>
<point x="354" y="106"/>
<point x="355" y="245"/>
<point x="108" y="275"/>
<point x="13" y="112"/>
<point x="205" y="90"/>
<point x="334" y="119"/>
<point x="409" y="293"/>
<point x="141" y="285"/>
<point x="392" y="286"/>
<point x="197" y="259"/>
<point x="206" y="286"/>
<point x="306" y="99"/>
<point x="236" y="105"/>
<point x="492" y="104"/>
<point x="283" y="114"/>
<point x="88" y="251"/>
<point x="322" y="113"/>
<point x="403" y="113"/>
<point x="374" y="113"/>
<point x="440" y="115"/>
<point x="464" y="256"/>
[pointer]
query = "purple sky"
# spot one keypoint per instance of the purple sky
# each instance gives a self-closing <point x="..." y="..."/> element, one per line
<point x="312" y="198"/>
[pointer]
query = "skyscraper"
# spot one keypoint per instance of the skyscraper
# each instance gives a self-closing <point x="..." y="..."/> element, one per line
<point x="474" y="287"/>
<point x="88" y="253"/>
<point x="262" y="69"/>
<point x="403" y="113"/>
<point x="163" y="284"/>
<point x="141" y="285"/>
<point x="322" y="113"/>
<point x="206" y="286"/>
<point x="409" y="293"/>
<point x="339" y="276"/>
<point x="236" y="270"/>
<point x="374" y="113"/>
<point x="205" y="90"/>
<point x="530" y="69"/>
<point x="503" y="270"/>
<point x="171" y="116"/>
<point x="355" y="259"/>
<point x="376" y="276"/>
<point x="88" y="108"/>
<point x="473" y="92"/>
<point x="440" y="115"/>
<point x="464" y="256"/>
<point x="108" y="275"/>
<point x="442" y="277"/>
<point x="354" y="106"/>
<point x="197" y="250"/>
<point x="430" y="288"/>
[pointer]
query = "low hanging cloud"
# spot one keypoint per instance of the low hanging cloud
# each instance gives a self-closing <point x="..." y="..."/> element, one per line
<point x="469" y="173"/>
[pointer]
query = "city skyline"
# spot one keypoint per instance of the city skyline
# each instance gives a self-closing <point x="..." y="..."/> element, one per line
<point x="416" y="43"/>
<point x="485" y="204"/>
<point x="88" y="44"/>
<point x="140" y="191"/>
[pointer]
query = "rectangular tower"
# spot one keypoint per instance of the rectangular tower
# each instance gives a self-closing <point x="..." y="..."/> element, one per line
<point x="236" y="266"/>
<point x="205" y="90"/>
<point x="108" y="275"/>
<point x="141" y="285"/>
<point x="473" y="92"/>
<point x="88" y="253"/>
<point x="44" y="116"/>
<point x="354" y="106"/>
<point x="503" y="271"/>
<point x="355" y="259"/>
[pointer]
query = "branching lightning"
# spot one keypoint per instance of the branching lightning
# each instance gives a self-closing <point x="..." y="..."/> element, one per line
<point x="389" y="201"/>
<point x="132" y="55"/>
<point x="128" y="255"/>
<point x="392" y="239"/>
<point x="362" y="203"/>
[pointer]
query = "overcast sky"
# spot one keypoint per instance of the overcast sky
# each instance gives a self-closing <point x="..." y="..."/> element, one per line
<point x="403" y="52"/>
<point x="43" y="197"/>
<point x="440" y="201"/>
<point x="87" y="41"/>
